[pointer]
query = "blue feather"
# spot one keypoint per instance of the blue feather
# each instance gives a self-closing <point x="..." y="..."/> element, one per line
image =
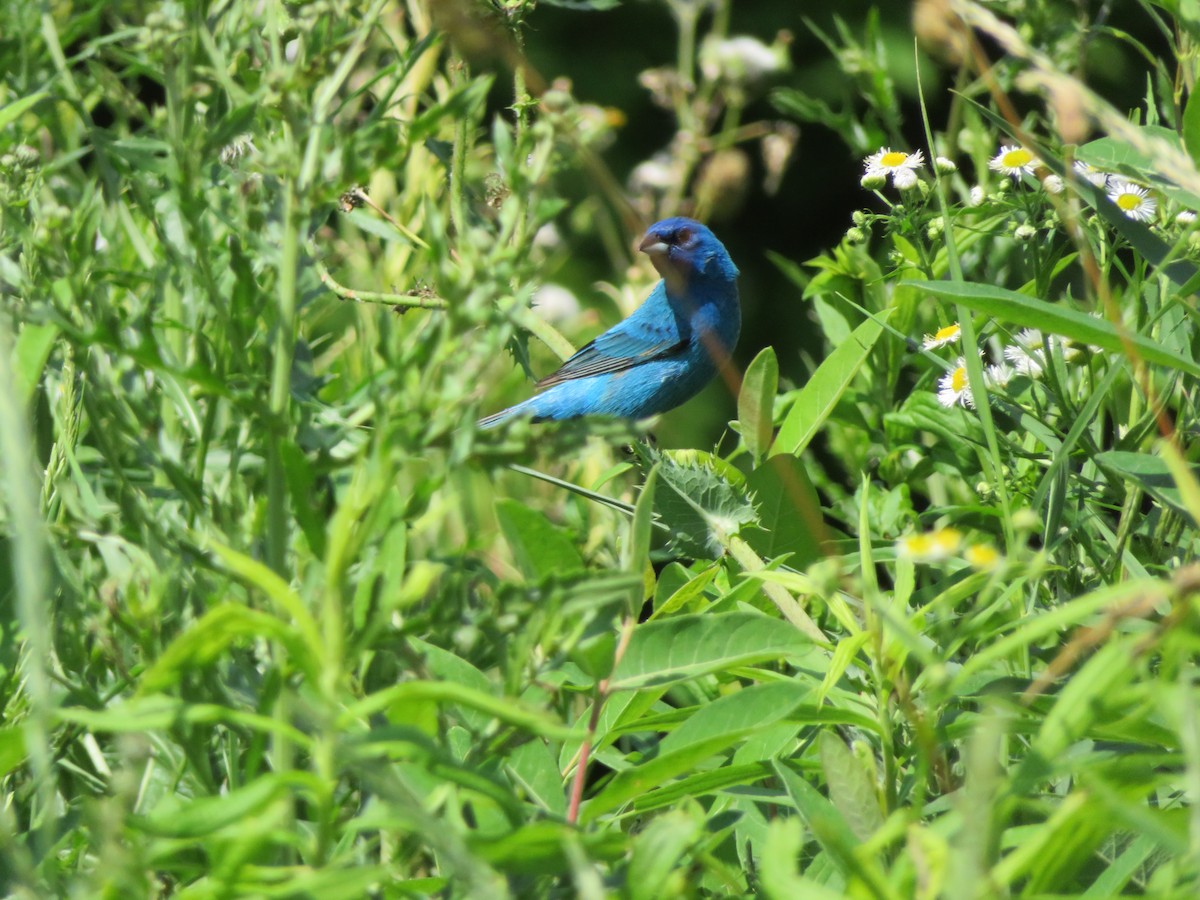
<point x="666" y="351"/>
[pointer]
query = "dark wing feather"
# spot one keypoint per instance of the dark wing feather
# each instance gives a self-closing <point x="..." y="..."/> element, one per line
<point x="613" y="353"/>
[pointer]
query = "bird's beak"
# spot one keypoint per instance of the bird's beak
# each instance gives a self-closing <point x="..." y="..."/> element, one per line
<point x="653" y="246"/>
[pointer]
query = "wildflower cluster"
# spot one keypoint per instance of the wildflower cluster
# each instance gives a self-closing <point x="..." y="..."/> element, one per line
<point x="943" y="544"/>
<point x="1015" y="162"/>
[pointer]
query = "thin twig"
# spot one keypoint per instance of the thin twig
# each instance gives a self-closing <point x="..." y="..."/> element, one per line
<point x="414" y="299"/>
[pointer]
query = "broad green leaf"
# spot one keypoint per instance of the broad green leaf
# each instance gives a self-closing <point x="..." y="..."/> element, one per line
<point x="751" y="708"/>
<point x="817" y="399"/>
<point x="33" y="347"/>
<point x="701" y="499"/>
<point x="688" y="592"/>
<point x="14" y="110"/>
<point x="685" y="647"/>
<point x="504" y="709"/>
<point x="1028" y="312"/>
<point x="257" y="575"/>
<point x="446" y="666"/>
<point x="539" y="548"/>
<point x="541" y="848"/>
<point x="777" y="873"/>
<point x="12" y="748"/>
<point x="703" y="782"/>
<point x="533" y="765"/>
<point x="831" y="831"/>
<point x="636" y="558"/>
<point x="1151" y="473"/>
<point x="212" y="634"/>
<point x="789" y="512"/>
<point x="657" y="850"/>
<point x="850" y="787"/>
<point x="635" y="782"/>
<point x="1184" y="477"/>
<point x="194" y="817"/>
<point x="1191" y="126"/>
<point x="756" y="402"/>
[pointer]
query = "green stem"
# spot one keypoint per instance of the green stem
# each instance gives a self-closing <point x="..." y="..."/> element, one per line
<point x="788" y="605"/>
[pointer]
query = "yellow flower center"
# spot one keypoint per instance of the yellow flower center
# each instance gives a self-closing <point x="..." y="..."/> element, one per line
<point x="947" y="539"/>
<point x="948" y="333"/>
<point x="982" y="556"/>
<point x="958" y="379"/>
<point x="919" y="544"/>
<point x="1014" y="159"/>
<point x="1129" y="202"/>
<point x="893" y="158"/>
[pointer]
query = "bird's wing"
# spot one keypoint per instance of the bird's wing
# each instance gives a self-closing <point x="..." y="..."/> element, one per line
<point x="649" y="333"/>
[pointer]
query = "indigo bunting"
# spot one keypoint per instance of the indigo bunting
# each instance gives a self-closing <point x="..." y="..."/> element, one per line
<point x="666" y="351"/>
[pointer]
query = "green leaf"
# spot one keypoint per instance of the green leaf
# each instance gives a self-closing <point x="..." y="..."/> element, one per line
<point x="462" y="103"/>
<point x="666" y="651"/>
<point x="637" y="781"/>
<point x="193" y="817"/>
<point x="1151" y="473"/>
<point x="698" y="500"/>
<point x="850" y="786"/>
<point x="817" y="399"/>
<point x="446" y="666"/>
<point x="636" y="558"/>
<point x="286" y="601"/>
<point x="1028" y="312"/>
<point x="33" y="347"/>
<point x="211" y="635"/>
<point x="789" y="512"/>
<point x="657" y="850"/>
<point x="17" y="108"/>
<point x="738" y="713"/>
<point x="756" y="402"/>
<point x="1191" y="126"/>
<point x="12" y="748"/>
<point x="533" y="765"/>
<point x="831" y="831"/>
<point x="504" y="709"/>
<point x="540" y="549"/>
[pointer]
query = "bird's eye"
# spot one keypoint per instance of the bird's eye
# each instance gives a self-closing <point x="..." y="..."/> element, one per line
<point x="683" y="235"/>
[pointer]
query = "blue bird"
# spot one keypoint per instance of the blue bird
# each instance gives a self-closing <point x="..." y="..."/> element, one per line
<point x="666" y="351"/>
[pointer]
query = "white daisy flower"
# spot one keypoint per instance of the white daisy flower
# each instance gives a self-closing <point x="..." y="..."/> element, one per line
<point x="976" y="195"/>
<point x="892" y="162"/>
<point x="1091" y="173"/>
<point x="1052" y="184"/>
<point x="1132" y="199"/>
<point x="1013" y="160"/>
<point x="998" y="375"/>
<point x="953" y="386"/>
<point x="942" y="337"/>
<point x="1187" y="217"/>
<point x="1026" y="353"/>
<point x="905" y="180"/>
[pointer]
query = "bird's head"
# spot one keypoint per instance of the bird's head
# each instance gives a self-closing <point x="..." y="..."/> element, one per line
<point x="682" y="249"/>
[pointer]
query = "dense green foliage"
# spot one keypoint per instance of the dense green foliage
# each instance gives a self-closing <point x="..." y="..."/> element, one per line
<point x="277" y="620"/>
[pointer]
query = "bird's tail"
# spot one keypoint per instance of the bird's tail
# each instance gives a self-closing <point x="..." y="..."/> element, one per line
<point x="521" y="409"/>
